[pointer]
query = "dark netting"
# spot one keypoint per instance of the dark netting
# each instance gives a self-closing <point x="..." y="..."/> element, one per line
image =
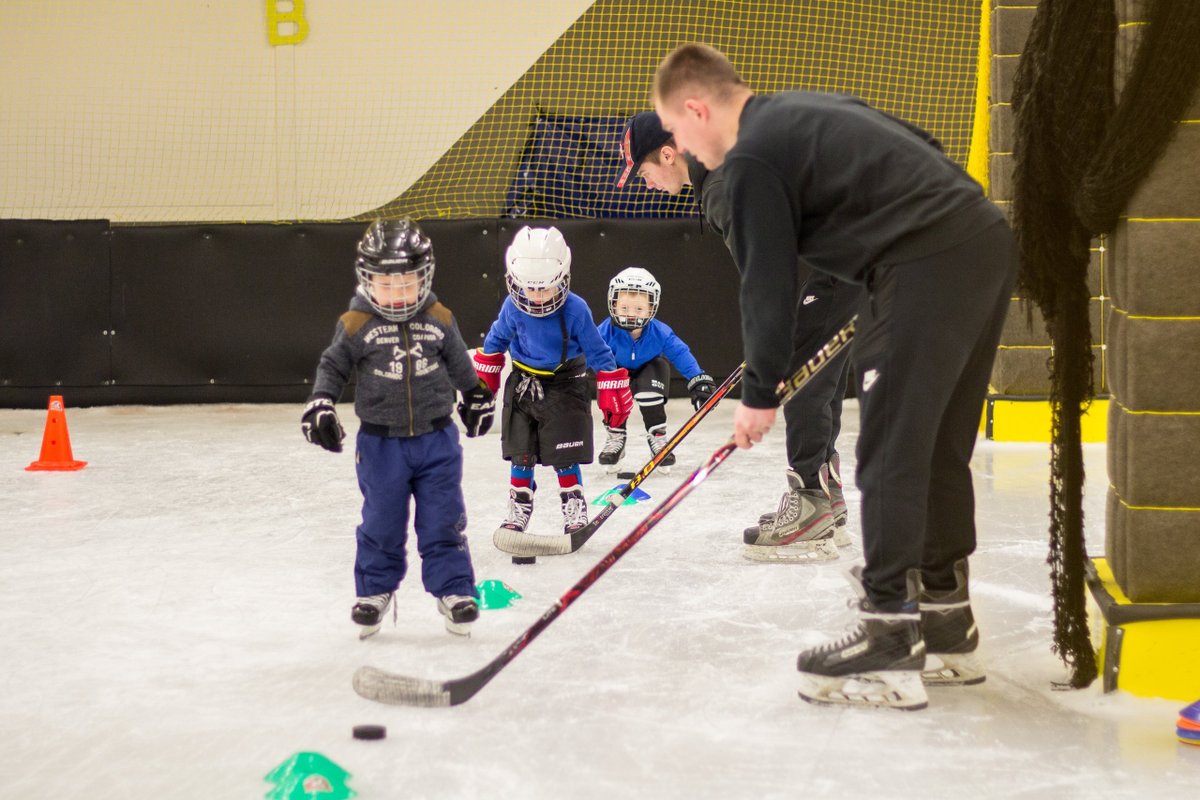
<point x="568" y="168"/>
<point x="1079" y="159"/>
<point x="1164" y="78"/>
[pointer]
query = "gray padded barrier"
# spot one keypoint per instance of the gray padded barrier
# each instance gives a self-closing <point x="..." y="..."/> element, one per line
<point x="1152" y="540"/>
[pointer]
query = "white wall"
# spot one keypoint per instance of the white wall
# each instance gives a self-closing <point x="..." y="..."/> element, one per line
<point x="183" y="111"/>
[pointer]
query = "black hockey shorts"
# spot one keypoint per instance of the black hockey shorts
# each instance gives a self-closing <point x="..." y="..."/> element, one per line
<point x="650" y="383"/>
<point x="548" y="419"/>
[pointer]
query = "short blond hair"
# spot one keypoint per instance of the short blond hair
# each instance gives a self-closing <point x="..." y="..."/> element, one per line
<point x="695" y="67"/>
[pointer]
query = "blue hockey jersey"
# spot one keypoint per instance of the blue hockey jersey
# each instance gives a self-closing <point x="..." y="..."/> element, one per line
<point x="657" y="339"/>
<point x="537" y="343"/>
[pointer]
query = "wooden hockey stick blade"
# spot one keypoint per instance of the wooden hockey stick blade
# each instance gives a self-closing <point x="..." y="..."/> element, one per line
<point x="532" y="544"/>
<point x="399" y="690"/>
<point x="519" y="543"/>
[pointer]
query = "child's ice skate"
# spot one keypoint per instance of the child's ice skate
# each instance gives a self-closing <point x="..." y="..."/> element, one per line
<point x="613" y="450"/>
<point x="520" y="509"/>
<point x="574" y="509"/>
<point x="460" y="611"/>
<point x="368" y="613"/>
<point x="657" y="439"/>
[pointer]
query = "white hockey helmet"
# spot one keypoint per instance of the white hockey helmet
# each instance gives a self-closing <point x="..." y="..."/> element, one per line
<point x="637" y="280"/>
<point x="538" y="260"/>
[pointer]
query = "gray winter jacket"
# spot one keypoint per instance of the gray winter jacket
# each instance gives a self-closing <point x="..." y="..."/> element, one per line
<point x="407" y="371"/>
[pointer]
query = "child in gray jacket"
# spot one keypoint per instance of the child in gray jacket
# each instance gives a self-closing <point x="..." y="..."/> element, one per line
<point x="410" y="357"/>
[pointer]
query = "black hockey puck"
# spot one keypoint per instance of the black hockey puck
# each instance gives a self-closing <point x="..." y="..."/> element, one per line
<point x="625" y="476"/>
<point x="370" y="732"/>
<point x="524" y="559"/>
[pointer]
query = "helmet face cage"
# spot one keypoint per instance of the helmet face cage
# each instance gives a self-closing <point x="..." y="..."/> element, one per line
<point x="395" y="268"/>
<point x="538" y="260"/>
<point x="637" y="281"/>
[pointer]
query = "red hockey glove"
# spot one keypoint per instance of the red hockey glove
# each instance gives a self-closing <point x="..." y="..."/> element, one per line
<point x="614" y="398"/>
<point x="488" y="367"/>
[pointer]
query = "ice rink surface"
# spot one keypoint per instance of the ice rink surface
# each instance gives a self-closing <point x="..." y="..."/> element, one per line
<point x="175" y="623"/>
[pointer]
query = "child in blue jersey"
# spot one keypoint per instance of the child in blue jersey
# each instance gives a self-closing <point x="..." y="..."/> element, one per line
<point x="647" y="348"/>
<point x="553" y="340"/>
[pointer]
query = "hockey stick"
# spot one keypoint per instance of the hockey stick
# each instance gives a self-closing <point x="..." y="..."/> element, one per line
<point x="531" y="544"/>
<point x="387" y="687"/>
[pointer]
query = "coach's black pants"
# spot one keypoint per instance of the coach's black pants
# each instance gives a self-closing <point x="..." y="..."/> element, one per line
<point x="813" y="418"/>
<point x="923" y="357"/>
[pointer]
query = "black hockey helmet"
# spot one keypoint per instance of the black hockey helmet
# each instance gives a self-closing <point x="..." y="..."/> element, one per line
<point x="394" y="247"/>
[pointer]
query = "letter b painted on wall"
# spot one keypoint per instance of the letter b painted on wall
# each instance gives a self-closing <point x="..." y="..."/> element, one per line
<point x="285" y="22"/>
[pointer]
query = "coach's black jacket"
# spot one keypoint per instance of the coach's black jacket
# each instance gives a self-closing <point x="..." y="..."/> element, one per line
<point x="844" y="186"/>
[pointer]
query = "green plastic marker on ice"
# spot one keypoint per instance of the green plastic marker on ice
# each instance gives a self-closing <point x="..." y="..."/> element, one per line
<point x="308" y="775"/>
<point x="496" y="594"/>
<point x="634" y="498"/>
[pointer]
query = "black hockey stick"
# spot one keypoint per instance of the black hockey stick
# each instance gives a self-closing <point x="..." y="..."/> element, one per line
<point x="387" y="687"/>
<point x="531" y="544"/>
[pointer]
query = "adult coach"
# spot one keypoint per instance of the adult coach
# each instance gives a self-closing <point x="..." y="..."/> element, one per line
<point x="813" y="508"/>
<point x="869" y="199"/>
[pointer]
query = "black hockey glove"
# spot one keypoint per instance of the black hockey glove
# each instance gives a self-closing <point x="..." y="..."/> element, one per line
<point x="477" y="409"/>
<point x="701" y="388"/>
<point x="321" y="426"/>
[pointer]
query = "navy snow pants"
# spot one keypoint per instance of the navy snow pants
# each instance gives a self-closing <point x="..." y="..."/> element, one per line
<point x="428" y="469"/>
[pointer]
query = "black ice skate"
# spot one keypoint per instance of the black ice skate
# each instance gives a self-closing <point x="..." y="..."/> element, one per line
<point x="574" y="509"/>
<point x="368" y="613"/>
<point x="877" y="663"/>
<point x="460" y="611"/>
<point x="613" y="450"/>
<point x="800" y="531"/>
<point x="951" y="638"/>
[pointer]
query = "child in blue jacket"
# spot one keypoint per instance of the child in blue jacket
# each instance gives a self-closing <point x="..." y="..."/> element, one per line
<point x="647" y="348"/>
<point x="550" y="333"/>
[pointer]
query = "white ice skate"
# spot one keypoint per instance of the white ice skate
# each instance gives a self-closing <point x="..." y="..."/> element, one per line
<point x="520" y="509"/>
<point x="574" y="509"/>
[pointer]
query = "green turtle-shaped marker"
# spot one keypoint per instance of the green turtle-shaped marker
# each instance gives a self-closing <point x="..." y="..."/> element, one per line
<point x="496" y="594"/>
<point x="308" y="775"/>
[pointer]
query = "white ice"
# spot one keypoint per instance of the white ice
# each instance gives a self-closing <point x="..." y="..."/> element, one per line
<point x="174" y="621"/>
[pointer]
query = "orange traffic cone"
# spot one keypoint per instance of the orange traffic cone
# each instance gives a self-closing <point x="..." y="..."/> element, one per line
<point x="56" y="442"/>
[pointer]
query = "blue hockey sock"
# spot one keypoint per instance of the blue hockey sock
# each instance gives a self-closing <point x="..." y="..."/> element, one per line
<point x="569" y="476"/>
